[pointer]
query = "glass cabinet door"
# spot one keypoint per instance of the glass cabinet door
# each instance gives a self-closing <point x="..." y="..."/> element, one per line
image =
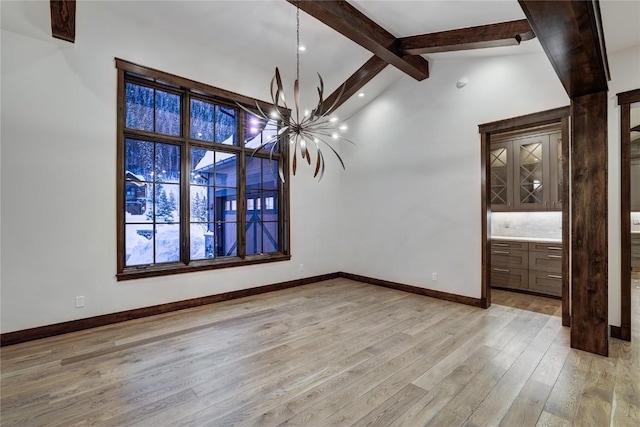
<point x="532" y="173"/>
<point x="501" y="187"/>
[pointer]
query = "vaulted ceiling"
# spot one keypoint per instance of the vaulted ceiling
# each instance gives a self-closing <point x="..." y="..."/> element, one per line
<point x="263" y="32"/>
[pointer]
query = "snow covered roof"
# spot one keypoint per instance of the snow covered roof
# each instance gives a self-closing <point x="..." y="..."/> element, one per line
<point x="131" y="175"/>
<point x="207" y="161"/>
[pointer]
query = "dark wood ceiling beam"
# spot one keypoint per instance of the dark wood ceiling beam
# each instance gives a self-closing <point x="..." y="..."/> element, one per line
<point x="63" y="19"/>
<point x="356" y="81"/>
<point x="571" y="34"/>
<point x="483" y="36"/>
<point x="350" y="22"/>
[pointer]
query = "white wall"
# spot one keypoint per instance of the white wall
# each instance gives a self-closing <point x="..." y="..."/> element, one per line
<point x="59" y="171"/>
<point x="411" y="194"/>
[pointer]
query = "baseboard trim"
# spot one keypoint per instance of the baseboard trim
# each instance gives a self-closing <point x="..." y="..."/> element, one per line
<point x="39" y="332"/>
<point x="620" y="332"/>
<point x="32" y="334"/>
<point x="461" y="299"/>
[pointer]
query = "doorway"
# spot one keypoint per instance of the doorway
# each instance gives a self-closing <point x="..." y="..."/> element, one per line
<point x="490" y="187"/>
<point x="629" y="103"/>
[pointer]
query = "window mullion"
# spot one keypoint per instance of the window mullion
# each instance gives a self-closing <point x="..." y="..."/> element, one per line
<point x="241" y="187"/>
<point x="185" y="190"/>
<point x="283" y="196"/>
<point x="154" y="201"/>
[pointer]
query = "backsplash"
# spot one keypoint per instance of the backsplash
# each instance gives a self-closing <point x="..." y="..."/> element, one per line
<point x="635" y="216"/>
<point x="528" y="224"/>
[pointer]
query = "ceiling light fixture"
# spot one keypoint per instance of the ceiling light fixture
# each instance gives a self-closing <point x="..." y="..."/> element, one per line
<point x="301" y="131"/>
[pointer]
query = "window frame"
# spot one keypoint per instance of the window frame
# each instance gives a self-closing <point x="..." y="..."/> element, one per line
<point x="188" y="89"/>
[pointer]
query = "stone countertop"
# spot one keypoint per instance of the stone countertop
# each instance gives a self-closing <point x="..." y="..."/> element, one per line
<point x="528" y="239"/>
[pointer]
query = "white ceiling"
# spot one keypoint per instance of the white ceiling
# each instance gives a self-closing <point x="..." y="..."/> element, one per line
<point x="263" y="31"/>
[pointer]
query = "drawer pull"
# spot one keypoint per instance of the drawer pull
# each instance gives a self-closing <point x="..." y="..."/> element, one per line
<point x="555" y="256"/>
<point x="502" y="270"/>
<point x="554" y="248"/>
<point x="506" y="245"/>
<point x="501" y="252"/>
<point x="554" y="276"/>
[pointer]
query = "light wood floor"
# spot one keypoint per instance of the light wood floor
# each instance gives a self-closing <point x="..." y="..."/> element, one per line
<point x="332" y="353"/>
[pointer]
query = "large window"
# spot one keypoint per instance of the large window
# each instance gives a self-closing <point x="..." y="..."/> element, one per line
<point x="193" y="192"/>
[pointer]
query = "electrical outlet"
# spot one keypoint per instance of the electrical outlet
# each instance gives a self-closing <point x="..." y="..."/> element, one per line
<point x="301" y="267"/>
<point x="79" y="301"/>
<point x="434" y="276"/>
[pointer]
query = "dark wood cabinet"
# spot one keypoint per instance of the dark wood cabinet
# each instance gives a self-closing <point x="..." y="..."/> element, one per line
<point x="545" y="268"/>
<point x="512" y="278"/>
<point x="545" y="261"/>
<point x="509" y="258"/>
<point x="526" y="171"/>
<point x="543" y="282"/>
<point x="534" y="267"/>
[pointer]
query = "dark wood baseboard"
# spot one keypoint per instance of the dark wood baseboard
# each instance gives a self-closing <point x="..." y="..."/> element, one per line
<point x="39" y="332"/>
<point x="461" y="299"/>
<point x="31" y="334"/>
<point x="620" y="332"/>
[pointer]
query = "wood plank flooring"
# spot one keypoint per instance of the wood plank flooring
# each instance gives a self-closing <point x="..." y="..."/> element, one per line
<point x="332" y="353"/>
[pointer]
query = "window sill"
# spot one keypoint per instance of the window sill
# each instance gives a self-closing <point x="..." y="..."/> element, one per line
<point x="203" y="265"/>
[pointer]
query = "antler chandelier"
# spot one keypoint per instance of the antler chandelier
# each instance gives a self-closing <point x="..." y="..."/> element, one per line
<point x="306" y="132"/>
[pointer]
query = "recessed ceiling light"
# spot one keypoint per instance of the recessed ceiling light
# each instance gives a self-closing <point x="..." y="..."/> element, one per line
<point x="302" y="48"/>
<point x="361" y="95"/>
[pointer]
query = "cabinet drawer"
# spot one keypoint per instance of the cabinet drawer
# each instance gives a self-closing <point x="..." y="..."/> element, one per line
<point x="509" y="278"/>
<point x="550" y="262"/>
<point x="510" y="258"/>
<point x="544" y="247"/>
<point x="545" y="283"/>
<point x="508" y="244"/>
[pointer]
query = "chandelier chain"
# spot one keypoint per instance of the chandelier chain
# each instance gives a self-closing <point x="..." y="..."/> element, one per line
<point x="298" y="40"/>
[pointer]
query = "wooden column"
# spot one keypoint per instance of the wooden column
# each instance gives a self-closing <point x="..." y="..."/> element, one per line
<point x="589" y="299"/>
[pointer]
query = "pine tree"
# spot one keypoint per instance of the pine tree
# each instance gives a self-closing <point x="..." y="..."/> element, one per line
<point x="195" y="207"/>
<point x="202" y="213"/>
<point x="171" y="206"/>
<point x="163" y="209"/>
<point x="152" y="197"/>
